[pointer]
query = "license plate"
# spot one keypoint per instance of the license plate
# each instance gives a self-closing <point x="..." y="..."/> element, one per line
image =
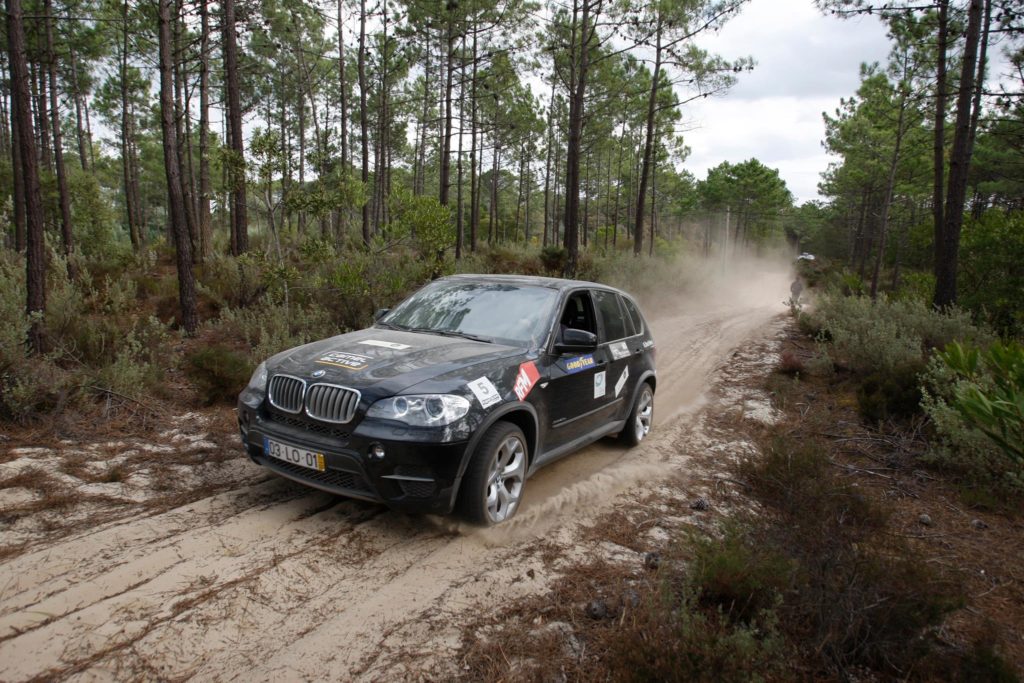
<point x="294" y="455"/>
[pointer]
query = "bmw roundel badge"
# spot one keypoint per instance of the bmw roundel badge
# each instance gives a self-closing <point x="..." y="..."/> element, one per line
<point x="319" y="373"/>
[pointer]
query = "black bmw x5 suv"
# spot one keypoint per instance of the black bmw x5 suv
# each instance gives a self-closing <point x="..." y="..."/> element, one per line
<point x="456" y="396"/>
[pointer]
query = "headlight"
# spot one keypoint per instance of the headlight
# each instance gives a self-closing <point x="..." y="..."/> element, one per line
<point x="258" y="381"/>
<point x="427" y="410"/>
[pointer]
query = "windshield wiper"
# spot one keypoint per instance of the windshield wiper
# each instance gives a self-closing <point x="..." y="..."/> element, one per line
<point x="390" y="326"/>
<point x="464" y="335"/>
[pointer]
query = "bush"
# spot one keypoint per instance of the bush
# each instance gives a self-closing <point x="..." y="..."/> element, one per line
<point x="219" y="373"/>
<point x="891" y="395"/>
<point x="961" y="446"/>
<point x="857" y="596"/>
<point x="879" y="336"/>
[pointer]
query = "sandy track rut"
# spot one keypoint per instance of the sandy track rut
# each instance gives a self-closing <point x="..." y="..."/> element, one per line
<point x="272" y="581"/>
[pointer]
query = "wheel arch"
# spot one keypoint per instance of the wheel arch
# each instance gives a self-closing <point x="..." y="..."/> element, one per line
<point x="520" y="414"/>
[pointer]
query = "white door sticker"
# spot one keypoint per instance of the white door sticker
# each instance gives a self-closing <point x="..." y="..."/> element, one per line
<point x="385" y="344"/>
<point x="619" y="350"/>
<point x="622" y="381"/>
<point x="485" y="392"/>
<point x="599" y="388"/>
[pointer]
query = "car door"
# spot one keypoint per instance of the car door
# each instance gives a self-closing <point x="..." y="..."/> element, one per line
<point x="573" y="407"/>
<point x="616" y="331"/>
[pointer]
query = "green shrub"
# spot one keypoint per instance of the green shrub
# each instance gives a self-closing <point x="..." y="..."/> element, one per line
<point x="879" y="336"/>
<point x="738" y="576"/>
<point x="891" y="395"/>
<point x="857" y="596"/>
<point x="960" y="379"/>
<point x="219" y="373"/>
<point x="993" y="404"/>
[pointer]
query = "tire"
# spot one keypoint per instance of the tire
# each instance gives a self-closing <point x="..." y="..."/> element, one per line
<point x="492" y="486"/>
<point x="641" y="418"/>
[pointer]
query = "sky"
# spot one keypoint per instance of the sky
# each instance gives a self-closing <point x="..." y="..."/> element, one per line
<point x="806" y="62"/>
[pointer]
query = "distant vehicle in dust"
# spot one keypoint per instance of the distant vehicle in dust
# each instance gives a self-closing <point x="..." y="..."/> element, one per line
<point x="454" y="398"/>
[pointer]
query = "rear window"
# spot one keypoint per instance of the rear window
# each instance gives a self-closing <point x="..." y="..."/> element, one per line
<point x="634" y="314"/>
<point x="611" y="314"/>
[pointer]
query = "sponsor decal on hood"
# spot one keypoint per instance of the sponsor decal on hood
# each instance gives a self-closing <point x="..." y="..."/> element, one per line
<point x="386" y="344"/>
<point x="343" y="359"/>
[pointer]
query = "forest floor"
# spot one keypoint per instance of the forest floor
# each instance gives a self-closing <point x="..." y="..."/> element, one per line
<point x="168" y="555"/>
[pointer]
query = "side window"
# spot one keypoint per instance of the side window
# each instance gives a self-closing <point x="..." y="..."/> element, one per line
<point x="634" y="314"/>
<point x="578" y="314"/>
<point x="611" y="315"/>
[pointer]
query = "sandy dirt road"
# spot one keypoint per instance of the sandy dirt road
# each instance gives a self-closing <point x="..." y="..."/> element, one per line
<point x="270" y="581"/>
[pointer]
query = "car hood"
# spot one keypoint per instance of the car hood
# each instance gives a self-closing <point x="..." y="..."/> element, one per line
<point x="380" y="362"/>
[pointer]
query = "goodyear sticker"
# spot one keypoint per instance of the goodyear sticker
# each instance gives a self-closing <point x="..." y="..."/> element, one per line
<point x="525" y="379"/>
<point x="578" y="363"/>
<point x="619" y="350"/>
<point x="622" y="381"/>
<point x="485" y="392"/>
<point x="599" y="384"/>
<point x="343" y="359"/>
<point x="385" y="344"/>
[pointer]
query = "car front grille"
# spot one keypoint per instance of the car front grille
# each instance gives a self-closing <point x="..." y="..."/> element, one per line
<point x="332" y="403"/>
<point x="308" y="425"/>
<point x="286" y="393"/>
<point x="339" y="479"/>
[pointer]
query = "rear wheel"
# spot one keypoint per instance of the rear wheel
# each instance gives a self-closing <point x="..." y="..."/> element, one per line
<point x="493" y="484"/>
<point x="638" y="425"/>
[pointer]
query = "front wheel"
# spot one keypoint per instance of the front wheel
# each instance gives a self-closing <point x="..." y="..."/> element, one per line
<point x="638" y="425"/>
<point x="493" y="484"/>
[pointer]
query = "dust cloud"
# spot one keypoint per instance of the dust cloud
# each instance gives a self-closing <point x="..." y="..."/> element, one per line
<point x="699" y="312"/>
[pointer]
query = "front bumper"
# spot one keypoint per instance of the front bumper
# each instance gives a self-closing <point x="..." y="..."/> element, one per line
<point x="416" y="474"/>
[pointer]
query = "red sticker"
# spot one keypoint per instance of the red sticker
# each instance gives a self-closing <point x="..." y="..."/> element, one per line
<point x="525" y="380"/>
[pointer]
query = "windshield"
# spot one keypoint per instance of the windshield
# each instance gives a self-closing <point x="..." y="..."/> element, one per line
<point x="490" y="311"/>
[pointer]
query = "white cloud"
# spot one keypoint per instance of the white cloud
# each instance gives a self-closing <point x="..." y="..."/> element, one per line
<point x="806" y="61"/>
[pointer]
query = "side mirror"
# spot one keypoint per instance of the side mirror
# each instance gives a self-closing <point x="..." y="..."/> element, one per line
<point x="381" y="312"/>
<point x="576" y="340"/>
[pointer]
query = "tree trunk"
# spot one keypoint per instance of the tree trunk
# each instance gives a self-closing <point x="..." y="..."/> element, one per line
<point x="959" y="164"/>
<point x="362" y="118"/>
<point x="21" y="109"/>
<point x="43" y="118"/>
<point x="547" y="160"/>
<point x="205" y="219"/>
<point x="131" y="198"/>
<point x="184" y="129"/>
<point x="84" y="143"/>
<point x="446" y="138"/>
<point x="239" y="217"/>
<point x="459" y="227"/>
<point x="474" y="190"/>
<point x="175" y="194"/>
<point x="890" y="184"/>
<point x="343" y="92"/>
<point x="18" y="174"/>
<point x="645" y="166"/>
<point x="572" y="159"/>
<point x="64" y="199"/>
<point x="939" y="133"/>
<point x="492" y="219"/>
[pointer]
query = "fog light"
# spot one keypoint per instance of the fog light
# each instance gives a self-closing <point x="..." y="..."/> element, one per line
<point x="377" y="451"/>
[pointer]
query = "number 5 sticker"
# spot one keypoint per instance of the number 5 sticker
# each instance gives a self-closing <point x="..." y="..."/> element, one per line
<point x="485" y="392"/>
